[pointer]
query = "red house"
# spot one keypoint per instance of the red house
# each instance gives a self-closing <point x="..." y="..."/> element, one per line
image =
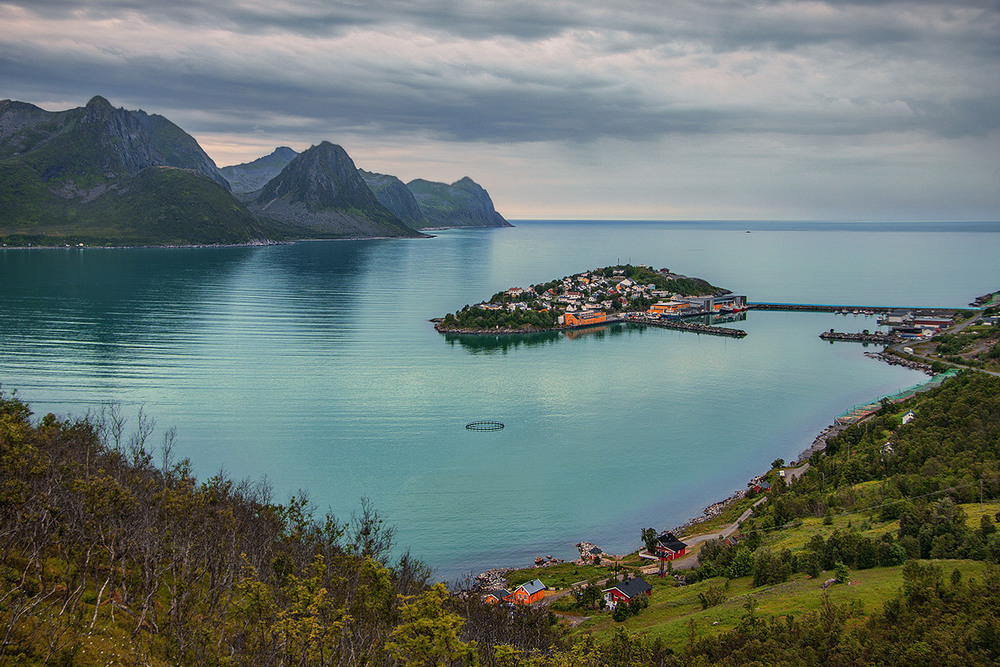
<point x="625" y="591"/>
<point x="668" y="547"/>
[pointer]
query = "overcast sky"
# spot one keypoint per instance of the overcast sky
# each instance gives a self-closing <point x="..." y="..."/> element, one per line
<point x="702" y="109"/>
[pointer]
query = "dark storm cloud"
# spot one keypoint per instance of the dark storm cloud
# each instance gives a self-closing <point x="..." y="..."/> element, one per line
<point x="810" y="74"/>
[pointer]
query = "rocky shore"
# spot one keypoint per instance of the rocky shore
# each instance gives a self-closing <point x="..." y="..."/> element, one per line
<point x="819" y="444"/>
<point x="896" y="360"/>
<point x="492" y="580"/>
<point x="710" y="512"/>
<point x="863" y="337"/>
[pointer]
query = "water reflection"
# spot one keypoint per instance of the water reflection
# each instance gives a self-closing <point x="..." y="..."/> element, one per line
<point x="503" y="343"/>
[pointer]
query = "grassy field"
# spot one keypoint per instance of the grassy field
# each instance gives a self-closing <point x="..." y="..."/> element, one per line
<point x="675" y="612"/>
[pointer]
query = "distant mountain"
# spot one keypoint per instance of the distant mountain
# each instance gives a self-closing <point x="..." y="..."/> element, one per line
<point x="320" y="194"/>
<point x="104" y="175"/>
<point x="395" y="196"/>
<point x="251" y="176"/>
<point x="464" y="203"/>
<point x="98" y="174"/>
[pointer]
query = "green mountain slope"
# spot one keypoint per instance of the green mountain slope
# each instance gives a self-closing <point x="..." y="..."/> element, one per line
<point x="464" y="203"/>
<point x="321" y="195"/>
<point x="395" y="196"/>
<point x="98" y="174"/>
<point x="251" y="176"/>
<point x="157" y="206"/>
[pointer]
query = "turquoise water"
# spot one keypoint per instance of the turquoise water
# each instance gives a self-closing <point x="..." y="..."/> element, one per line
<point x="315" y="365"/>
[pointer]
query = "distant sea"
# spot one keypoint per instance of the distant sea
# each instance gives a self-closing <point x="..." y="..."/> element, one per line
<point x="314" y="365"/>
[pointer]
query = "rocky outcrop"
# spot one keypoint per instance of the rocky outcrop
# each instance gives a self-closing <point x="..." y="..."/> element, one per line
<point x="464" y="203"/>
<point x="320" y="194"/>
<point x="395" y="196"/>
<point x="251" y="176"/>
<point x="105" y="175"/>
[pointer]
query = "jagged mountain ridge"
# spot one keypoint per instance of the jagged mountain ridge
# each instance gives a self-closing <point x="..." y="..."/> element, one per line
<point x="427" y="204"/>
<point x="104" y="175"/>
<point x="464" y="203"/>
<point x="251" y="176"/>
<point x="395" y="196"/>
<point x="320" y="194"/>
<point x="99" y="139"/>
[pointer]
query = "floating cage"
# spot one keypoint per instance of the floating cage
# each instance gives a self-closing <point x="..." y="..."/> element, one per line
<point x="484" y="425"/>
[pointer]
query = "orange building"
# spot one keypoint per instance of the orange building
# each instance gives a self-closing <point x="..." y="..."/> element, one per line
<point x="585" y="317"/>
<point x="497" y="596"/>
<point x="529" y="592"/>
<point x="667" y="307"/>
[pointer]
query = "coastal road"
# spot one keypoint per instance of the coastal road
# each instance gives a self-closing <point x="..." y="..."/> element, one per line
<point x="955" y="328"/>
<point x="691" y="560"/>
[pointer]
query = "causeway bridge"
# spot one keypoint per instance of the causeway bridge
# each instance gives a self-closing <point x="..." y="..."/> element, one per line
<point x="833" y="308"/>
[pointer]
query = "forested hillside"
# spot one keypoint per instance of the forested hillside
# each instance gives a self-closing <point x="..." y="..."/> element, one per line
<point x="112" y="553"/>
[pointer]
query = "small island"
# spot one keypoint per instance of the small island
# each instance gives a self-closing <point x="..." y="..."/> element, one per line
<point x="611" y="294"/>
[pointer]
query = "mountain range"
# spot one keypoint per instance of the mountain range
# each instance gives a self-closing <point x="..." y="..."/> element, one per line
<point x="420" y="204"/>
<point x="100" y="175"/>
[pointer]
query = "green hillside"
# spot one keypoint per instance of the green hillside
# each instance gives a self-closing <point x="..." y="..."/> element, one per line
<point x="106" y="176"/>
<point x="157" y="206"/>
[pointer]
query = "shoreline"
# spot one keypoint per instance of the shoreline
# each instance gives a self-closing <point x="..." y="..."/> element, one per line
<point x="495" y="577"/>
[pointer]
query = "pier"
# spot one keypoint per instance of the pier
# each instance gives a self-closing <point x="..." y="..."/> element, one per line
<point x="882" y="338"/>
<point x="691" y="326"/>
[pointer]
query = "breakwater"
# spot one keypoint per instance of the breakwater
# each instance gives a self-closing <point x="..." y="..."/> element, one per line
<point x="864" y="337"/>
<point x="691" y="326"/>
<point x="923" y="311"/>
<point x="818" y="308"/>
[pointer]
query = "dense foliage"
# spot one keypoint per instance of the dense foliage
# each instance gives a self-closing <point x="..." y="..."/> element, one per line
<point x="101" y="548"/>
<point x="106" y="555"/>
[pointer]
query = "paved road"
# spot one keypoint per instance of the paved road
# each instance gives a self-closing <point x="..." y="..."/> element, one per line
<point x="691" y="560"/>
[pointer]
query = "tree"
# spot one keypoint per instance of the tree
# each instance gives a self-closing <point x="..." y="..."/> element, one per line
<point x="427" y="634"/>
<point x="742" y="564"/>
<point x="649" y="536"/>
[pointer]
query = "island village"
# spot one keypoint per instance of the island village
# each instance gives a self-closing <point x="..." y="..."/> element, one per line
<point x="599" y="296"/>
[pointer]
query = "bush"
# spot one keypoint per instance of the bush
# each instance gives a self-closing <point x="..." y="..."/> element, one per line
<point x="715" y="595"/>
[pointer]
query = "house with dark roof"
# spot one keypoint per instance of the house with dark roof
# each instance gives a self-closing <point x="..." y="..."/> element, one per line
<point x="626" y="591"/>
<point x="668" y="547"/>
<point x="497" y="596"/>
<point x="528" y="592"/>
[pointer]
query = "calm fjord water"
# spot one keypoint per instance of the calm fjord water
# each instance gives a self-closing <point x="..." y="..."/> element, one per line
<point x="315" y="365"/>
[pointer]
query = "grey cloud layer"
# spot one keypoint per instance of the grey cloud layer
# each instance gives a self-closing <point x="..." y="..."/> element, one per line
<point x="522" y="71"/>
<point x="534" y="71"/>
